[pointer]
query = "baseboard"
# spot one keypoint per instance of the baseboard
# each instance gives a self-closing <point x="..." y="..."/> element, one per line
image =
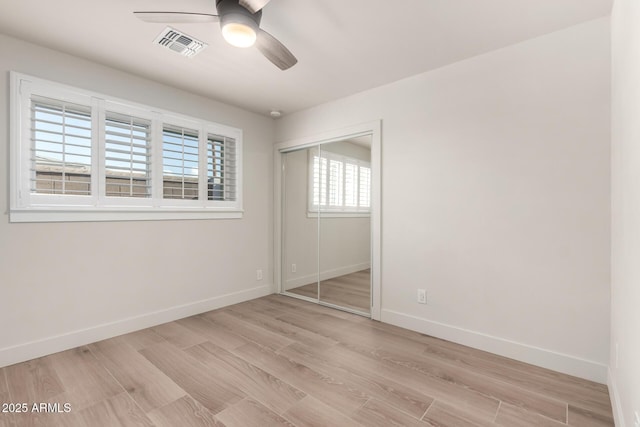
<point x="616" y="406"/>
<point x="326" y="275"/>
<point x="560" y="362"/>
<point x="46" y="346"/>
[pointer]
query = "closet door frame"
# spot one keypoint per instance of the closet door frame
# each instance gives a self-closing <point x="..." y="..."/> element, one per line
<point x="373" y="129"/>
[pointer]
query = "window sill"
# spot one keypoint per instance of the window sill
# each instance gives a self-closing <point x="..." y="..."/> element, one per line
<point x="339" y="214"/>
<point x="99" y="215"/>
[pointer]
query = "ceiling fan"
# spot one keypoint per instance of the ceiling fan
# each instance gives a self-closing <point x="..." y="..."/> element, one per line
<point x="240" y="24"/>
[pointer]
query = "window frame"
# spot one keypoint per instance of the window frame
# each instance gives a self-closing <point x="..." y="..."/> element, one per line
<point x="28" y="206"/>
<point x="335" y="211"/>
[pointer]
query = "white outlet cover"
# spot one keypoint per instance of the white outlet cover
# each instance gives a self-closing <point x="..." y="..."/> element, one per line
<point x="422" y="296"/>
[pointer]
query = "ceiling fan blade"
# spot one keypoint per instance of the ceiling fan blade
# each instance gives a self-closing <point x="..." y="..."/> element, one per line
<point x="253" y="5"/>
<point x="176" y="17"/>
<point x="275" y="51"/>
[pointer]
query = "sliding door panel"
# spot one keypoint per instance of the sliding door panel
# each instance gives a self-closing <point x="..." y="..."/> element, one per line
<point x="299" y="225"/>
<point x="341" y="195"/>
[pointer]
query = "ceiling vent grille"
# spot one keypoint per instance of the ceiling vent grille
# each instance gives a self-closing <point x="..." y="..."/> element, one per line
<point x="179" y="42"/>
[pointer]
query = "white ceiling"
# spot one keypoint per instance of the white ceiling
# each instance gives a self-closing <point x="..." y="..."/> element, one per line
<point x="343" y="46"/>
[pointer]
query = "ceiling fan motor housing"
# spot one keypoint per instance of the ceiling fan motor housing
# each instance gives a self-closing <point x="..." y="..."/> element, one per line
<point x="230" y="11"/>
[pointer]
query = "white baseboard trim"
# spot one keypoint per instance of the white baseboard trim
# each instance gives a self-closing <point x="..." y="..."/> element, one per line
<point x="618" y="414"/>
<point x="326" y="275"/>
<point x="31" y="350"/>
<point x="560" y="362"/>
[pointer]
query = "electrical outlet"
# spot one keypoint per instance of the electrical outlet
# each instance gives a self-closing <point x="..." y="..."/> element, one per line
<point x="293" y="268"/>
<point x="637" y="421"/>
<point x="422" y="296"/>
<point x="258" y="274"/>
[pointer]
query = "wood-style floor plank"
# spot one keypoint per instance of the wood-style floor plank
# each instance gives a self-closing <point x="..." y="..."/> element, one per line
<point x="6" y="418"/>
<point x="246" y="412"/>
<point x="178" y="335"/>
<point x="85" y="381"/>
<point x="312" y="412"/>
<point x="283" y="361"/>
<point x="184" y="412"/>
<point x="482" y="384"/>
<point x="512" y="416"/>
<point x="332" y="391"/>
<point x="4" y="388"/>
<point x="253" y="381"/>
<point x="271" y="324"/>
<point x="117" y="411"/>
<point x="376" y="413"/>
<point x="435" y="387"/>
<point x="576" y="391"/>
<point x="149" y="387"/>
<point x="201" y="384"/>
<point x="141" y="339"/>
<point x="580" y="417"/>
<point x="441" y="414"/>
<point x="209" y="332"/>
<point x="402" y="397"/>
<point x="463" y="399"/>
<point x="248" y="331"/>
<point x="33" y="381"/>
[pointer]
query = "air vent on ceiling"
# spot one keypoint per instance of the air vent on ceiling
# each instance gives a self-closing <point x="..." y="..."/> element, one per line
<point x="179" y="42"/>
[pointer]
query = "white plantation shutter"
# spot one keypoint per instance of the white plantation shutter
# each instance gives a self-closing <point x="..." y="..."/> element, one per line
<point x="319" y="181"/>
<point x="222" y="180"/>
<point x="365" y="187"/>
<point x="315" y="186"/>
<point x="127" y="156"/>
<point x="336" y="184"/>
<point x="351" y="185"/>
<point x="180" y="159"/>
<point x="339" y="184"/>
<point x="60" y="147"/>
<point x="76" y="155"/>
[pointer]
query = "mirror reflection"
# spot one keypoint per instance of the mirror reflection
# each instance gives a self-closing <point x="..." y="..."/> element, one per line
<point x="327" y="226"/>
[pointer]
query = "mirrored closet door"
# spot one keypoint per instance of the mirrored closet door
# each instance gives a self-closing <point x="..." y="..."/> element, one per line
<point x="326" y="224"/>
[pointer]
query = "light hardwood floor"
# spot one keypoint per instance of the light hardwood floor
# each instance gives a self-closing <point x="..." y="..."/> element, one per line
<point x="278" y="361"/>
<point x="350" y="291"/>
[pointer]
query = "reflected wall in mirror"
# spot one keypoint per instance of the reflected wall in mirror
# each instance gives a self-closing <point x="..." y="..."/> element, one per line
<point x="299" y="232"/>
<point x="327" y="223"/>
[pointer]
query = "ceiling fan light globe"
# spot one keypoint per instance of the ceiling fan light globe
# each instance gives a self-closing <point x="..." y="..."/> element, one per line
<point x="239" y="35"/>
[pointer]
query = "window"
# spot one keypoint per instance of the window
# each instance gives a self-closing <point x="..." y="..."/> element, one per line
<point x="180" y="163"/>
<point x="82" y="156"/>
<point x="221" y="168"/>
<point x="339" y="184"/>
<point x="61" y="147"/>
<point x="127" y="156"/>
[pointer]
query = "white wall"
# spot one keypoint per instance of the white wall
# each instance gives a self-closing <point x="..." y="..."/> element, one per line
<point x="624" y="376"/>
<point x="345" y="243"/>
<point x="65" y="284"/>
<point x="495" y="197"/>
